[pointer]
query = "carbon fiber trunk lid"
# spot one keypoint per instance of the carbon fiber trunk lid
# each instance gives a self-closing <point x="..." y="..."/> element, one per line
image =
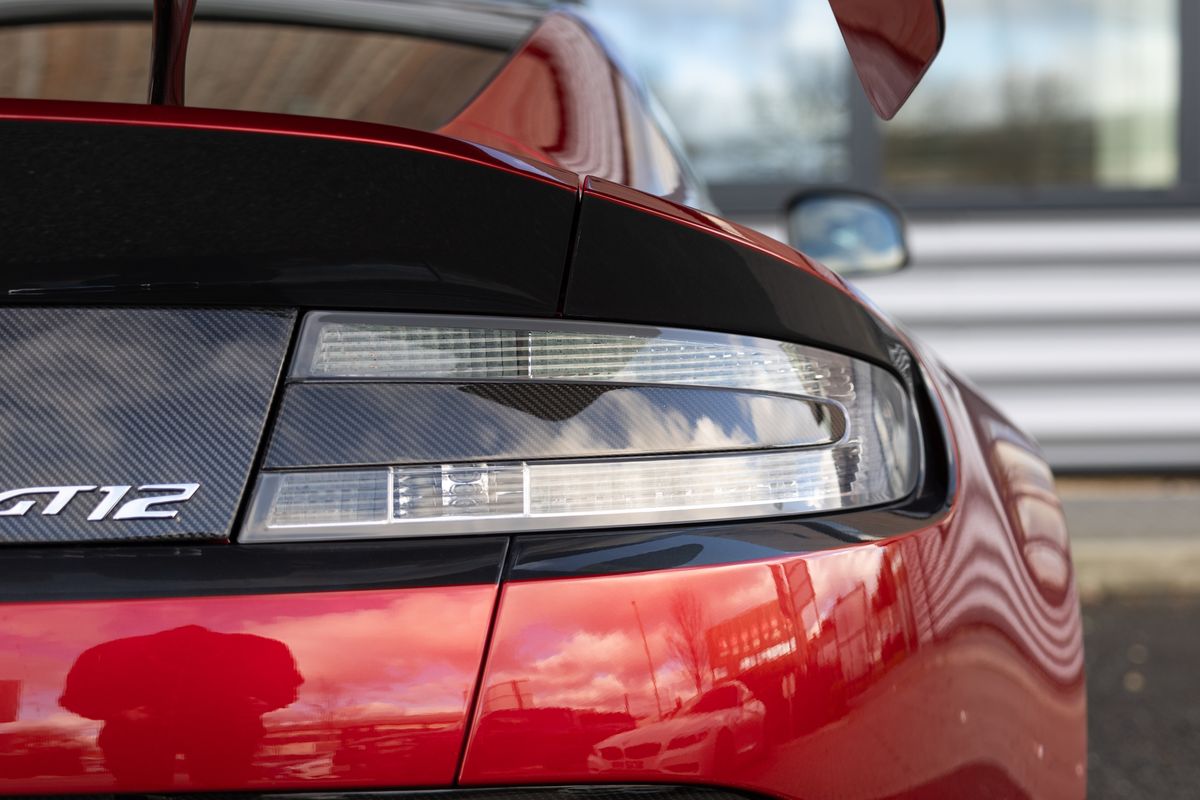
<point x="104" y="402"/>
<point x="136" y="244"/>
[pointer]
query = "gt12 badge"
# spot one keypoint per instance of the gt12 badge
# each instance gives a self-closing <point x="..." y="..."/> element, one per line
<point x="57" y="498"/>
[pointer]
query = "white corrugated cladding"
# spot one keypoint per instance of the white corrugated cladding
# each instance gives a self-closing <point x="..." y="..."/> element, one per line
<point x="1086" y="331"/>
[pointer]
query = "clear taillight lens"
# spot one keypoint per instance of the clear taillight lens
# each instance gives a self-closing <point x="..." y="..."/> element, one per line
<point x="874" y="461"/>
<point x="344" y="349"/>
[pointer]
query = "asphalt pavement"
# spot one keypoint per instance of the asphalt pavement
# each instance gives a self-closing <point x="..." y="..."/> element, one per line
<point x="1143" y="664"/>
<point x="1136" y="545"/>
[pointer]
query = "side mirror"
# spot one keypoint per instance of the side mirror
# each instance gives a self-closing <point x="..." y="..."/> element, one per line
<point x="892" y="43"/>
<point x="852" y="233"/>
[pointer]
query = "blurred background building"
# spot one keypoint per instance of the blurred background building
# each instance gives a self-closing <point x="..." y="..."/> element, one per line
<point x="1049" y="170"/>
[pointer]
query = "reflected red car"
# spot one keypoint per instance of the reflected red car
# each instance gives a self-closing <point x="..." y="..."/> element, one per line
<point x="385" y="408"/>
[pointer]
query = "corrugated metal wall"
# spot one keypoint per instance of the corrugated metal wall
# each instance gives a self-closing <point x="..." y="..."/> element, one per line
<point x="1085" y="330"/>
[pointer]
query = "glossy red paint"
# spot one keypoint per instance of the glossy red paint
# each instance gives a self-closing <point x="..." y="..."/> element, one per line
<point x="947" y="662"/>
<point x="561" y="99"/>
<point x="892" y="44"/>
<point x="171" y="26"/>
<point x="285" y="125"/>
<point x="339" y="689"/>
<point x="555" y="100"/>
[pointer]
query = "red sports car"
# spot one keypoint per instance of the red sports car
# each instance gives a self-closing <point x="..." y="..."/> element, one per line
<point x="383" y="408"/>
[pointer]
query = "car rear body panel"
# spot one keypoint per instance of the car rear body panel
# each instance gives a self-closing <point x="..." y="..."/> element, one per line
<point x="116" y="204"/>
<point x="563" y="99"/>
<point x="363" y="688"/>
<point x="898" y="683"/>
<point x="934" y="663"/>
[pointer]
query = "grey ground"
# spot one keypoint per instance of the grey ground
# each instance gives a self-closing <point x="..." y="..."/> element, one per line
<point x="1143" y="663"/>
<point x="1136" y="544"/>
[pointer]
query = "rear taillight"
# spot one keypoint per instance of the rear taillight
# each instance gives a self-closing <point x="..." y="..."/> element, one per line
<point x="397" y="425"/>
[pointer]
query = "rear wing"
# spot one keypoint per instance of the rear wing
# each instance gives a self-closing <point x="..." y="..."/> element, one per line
<point x="892" y="44"/>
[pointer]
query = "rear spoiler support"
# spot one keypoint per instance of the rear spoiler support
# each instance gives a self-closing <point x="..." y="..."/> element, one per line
<point x="168" y="50"/>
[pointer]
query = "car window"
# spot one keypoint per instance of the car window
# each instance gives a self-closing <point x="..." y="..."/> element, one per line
<point x="103" y="61"/>
<point x="389" y="78"/>
<point x="717" y="699"/>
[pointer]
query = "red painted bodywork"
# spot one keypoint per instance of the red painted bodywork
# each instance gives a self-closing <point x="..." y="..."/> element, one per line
<point x="365" y="688"/>
<point x="561" y="99"/>
<point x="172" y="24"/>
<point x="554" y="100"/>
<point x="930" y="664"/>
<point x="891" y="52"/>
<point x="943" y="662"/>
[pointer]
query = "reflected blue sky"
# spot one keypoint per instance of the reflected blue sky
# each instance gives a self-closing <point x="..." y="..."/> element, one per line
<point x="756" y="87"/>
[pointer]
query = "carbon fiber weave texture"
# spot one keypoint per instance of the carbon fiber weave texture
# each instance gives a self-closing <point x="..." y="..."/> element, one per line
<point x="342" y="424"/>
<point x="133" y="396"/>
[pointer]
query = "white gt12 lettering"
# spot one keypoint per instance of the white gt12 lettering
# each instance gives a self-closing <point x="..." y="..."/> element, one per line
<point x="149" y="507"/>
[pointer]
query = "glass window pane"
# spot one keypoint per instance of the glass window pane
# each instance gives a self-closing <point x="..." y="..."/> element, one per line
<point x="391" y="78"/>
<point x="757" y="88"/>
<point x="1046" y="93"/>
<point x="104" y="61"/>
<point x="375" y="77"/>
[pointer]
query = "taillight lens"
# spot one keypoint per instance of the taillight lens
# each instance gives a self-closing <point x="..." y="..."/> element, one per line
<point x="759" y="428"/>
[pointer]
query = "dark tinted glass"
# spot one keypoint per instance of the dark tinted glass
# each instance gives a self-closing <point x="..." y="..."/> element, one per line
<point x="102" y="61"/>
<point x="375" y="77"/>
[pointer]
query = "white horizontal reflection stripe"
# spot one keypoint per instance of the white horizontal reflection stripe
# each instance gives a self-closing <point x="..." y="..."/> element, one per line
<point x="354" y="350"/>
<point x="484" y="498"/>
